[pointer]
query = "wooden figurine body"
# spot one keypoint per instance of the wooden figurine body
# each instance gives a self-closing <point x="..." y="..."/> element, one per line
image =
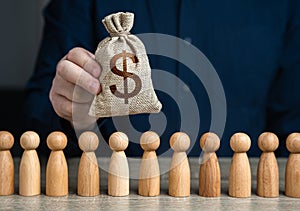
<point x="209" y="173"/>
<point x="88" y="170"/>
<point x="30" y="169"/>
<point x="240" y="173"/>
<point x="57" y="169"/>
<point x="118" y="171"/>
<point x="179" y="174"/>
<point x="292" y="175"/>
<point x="267" y="170"/>
<point x="149" y="174"/>
<point x="6" y="164"/>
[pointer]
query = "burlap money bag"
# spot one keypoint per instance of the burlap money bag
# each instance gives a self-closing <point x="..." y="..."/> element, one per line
<point x="126" y="74"/>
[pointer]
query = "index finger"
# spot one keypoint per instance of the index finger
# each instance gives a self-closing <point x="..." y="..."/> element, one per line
<point x="85" y="60"/>
<point x="74" y="74"/>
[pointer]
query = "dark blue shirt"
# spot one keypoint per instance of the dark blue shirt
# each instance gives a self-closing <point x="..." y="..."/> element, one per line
<point x="253" y="45"/>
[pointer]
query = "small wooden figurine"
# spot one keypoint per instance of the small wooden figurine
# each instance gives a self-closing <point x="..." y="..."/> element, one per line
<point x="292" y="170"/>
<point x="6" y="164"/>
<point x="88" y="170"/>
<point x="209" y="173"/>
<point x="57" y="169"/>
<point x="240" y="173"/>
<point x="30" y="169"/>
<point x="179" y="174"/>
<point x="118" y="171"/>
<point x="149" y="174"/>
<point x="267" y="170"/>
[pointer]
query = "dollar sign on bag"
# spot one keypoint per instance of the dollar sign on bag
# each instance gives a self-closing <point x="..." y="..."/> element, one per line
<point x="123" y="73"/>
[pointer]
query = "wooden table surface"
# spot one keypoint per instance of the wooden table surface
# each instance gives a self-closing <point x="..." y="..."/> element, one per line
<point x="136" y="202"/>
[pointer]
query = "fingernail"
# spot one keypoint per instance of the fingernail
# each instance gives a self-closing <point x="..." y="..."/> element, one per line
<point x="95" y="87"/>
<point x="96" y="70"/>
<point x="99" y="90"/>
<point x="93" y="68"/>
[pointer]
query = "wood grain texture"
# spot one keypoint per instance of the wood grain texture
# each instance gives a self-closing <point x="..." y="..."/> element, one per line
<point x="267" y="176"/>
<point x="292" y="176"/>
<point x="6" y="164"/>
<point x="118" y="175"/>
<point x="30" y="168"/>
<point x="57" y="174"/>
<point x="57" y="168"/>
<point x="209" y="172"/>
<point x="6" y="173"/>
<point x="240" y="172"/>
<point x="267" y="170"/>
<point x="29" y="174"/>
<point x="240" y="176"/>
<point x="88" y="182"/>
<point x="136" y="202"/>
<point x="292" y="170"/>
<point x="88" y="175"/>
<point x="179" y="175"/>
<point x="179" y="172"/>
<point x="149" y="175"/>
<point x="209" y="176"/>
<point x="118" y="170"/>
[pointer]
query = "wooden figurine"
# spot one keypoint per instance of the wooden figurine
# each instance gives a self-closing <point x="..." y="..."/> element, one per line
<point x="209" y="173"/>
<point x="57" y="169"/>
<point x="292" y="170"/>
<point x="6" y="164"/>
<point x="240" y="172"/>
<point x="118" y="171"/>
<point x="30" y="169"/>
<point x="267" y="170"/>
<point x="88" y="170"/>
<point x="179" y="174"/>
<point x="149" y="174"/>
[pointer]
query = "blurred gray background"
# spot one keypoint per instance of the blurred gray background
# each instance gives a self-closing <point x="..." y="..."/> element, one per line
<point x="21" y="27"/>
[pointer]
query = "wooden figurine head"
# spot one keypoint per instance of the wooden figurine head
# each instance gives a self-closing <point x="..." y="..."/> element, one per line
<point x="240" y="142"/>
<point x="149" y="141"/>
<point x="118" y="141"/>
<point x="293" y="143"/>
<point x="30" y="140"/>
<point x="57" y="141"/>
<point x="88" y="141"/>
<point x="180" y="142"/>
<point x="268" y="142"/>
<point x="209" y="142"/>
<point x="6" y="140"/>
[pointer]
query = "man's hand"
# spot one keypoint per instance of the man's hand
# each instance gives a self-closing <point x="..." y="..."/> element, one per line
<point x="74" y="86"/>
